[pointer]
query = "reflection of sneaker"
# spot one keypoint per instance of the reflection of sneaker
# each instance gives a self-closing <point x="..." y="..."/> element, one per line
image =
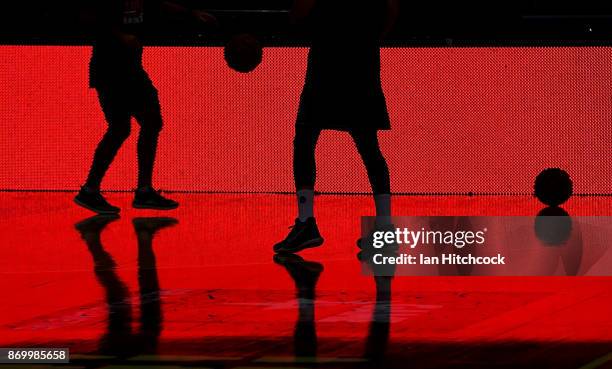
<point x="148" y="198"/>
<point x="303" y="235"/>
<point x="152" y="225"/>
<point x="304" y="273"/>
<point x="368" y="241"/>
<point x="90" y="230"/>
<point x="95" y="224"/>
<point x="94" y="201"/>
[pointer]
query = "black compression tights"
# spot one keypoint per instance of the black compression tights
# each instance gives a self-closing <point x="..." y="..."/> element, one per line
<point x="304" y="166"/>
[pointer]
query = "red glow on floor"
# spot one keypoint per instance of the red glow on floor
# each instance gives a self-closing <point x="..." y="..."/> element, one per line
<point x="217" y="277"/>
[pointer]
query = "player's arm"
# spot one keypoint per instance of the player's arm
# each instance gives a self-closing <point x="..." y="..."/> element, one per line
<point x="300" y="11"/>
<point x="391" y="16"/>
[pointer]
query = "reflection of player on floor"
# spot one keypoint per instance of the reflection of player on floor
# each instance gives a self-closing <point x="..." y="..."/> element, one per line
<point x="305" y="274"/>
<point x="120" y="340"/>
<point x="342" y="92"/>
<point x="125" y="91"/>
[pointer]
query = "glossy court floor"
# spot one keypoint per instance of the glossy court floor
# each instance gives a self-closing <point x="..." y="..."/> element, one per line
<point x="200" y="288"/>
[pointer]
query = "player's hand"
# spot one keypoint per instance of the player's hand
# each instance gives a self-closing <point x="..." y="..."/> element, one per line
<point x="131" y="43"/>
<point x="129" y="40"/>
<point x="204" y="18"/>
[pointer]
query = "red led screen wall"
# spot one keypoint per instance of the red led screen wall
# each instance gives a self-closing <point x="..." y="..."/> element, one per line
<point x="464" y="119"/>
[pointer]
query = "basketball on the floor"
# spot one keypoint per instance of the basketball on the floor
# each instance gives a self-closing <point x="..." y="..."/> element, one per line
<point x="243" y="53"/>
<point x="553" y="186"/>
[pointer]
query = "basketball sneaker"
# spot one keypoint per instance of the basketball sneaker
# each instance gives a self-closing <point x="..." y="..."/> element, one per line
<point x="149" y="198"/>
<point x="303" y="235"/>
<point x="93" y="200"/>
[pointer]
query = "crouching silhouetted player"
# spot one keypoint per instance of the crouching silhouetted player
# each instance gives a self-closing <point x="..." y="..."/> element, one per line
<point x="342" y="92"/>
<point x="125" y="91"/>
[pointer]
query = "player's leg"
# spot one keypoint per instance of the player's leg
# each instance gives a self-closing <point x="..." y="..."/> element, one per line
<point x="378" y="173"/>
<point x="148" y="115"/>
<point x="118" y="118"/>
<point x="305" y="169"/>
<point x="305" y="232"/>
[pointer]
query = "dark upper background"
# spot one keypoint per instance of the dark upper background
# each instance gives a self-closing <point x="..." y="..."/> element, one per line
<point x="433" y="22"/>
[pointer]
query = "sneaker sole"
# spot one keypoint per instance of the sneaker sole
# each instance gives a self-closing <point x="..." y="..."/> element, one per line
<point x="306" y="245"/>
<point x="154" y="207"/>
<point x="98" y="211"/>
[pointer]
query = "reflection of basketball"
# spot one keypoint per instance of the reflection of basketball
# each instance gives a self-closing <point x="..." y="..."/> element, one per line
<point x="243" y="53"/>
<point x="553" y="226"/>
<point x="553" y="186"/>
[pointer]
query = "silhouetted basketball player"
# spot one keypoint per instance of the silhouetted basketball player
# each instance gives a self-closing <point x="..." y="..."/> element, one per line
<point x="125" y="91"/>
<point x="342" y="92"/>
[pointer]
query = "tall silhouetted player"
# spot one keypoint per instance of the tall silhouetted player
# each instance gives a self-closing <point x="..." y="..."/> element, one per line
<point x="125" y="91"/>
<point x="342" y="92"/>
